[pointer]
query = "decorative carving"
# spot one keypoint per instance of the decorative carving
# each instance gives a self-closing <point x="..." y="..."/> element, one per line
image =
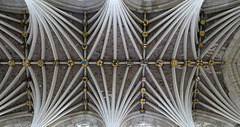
<point x="142" y="110"/>
<point x="174" y="63"/>
<point x="211" y="62"/>
<point x="199" y="62"/>
<point x="70" y="63"/>
<point x="115" y="63"/>
<point x="56" y="62"/>
<point x="26" y="63"/>
<point x="159" y="62"/>
<point x="196" y="91"/>
<point x="202" y="33"/>
<point x="25" y="34"/>
<point x="129" y="63"/>
<point x="85" y="90"/>
<point x="24" y="12"/>
<point x="84" y="46"/>
<point x="11" y="63"/>
<point x="145" y="34"/>
<point x="40" y="63"/>
<point x="197" y="78"/>
<point x="187" y="62"/>
<point x="223" y="62"/>
<point x="85" y="12"/>
<point x="85" y="102"/>
<point x="84" y="22"/>
<point x="143" y="90"/>
<point x="99" y="63"/>
<point x="84" y="62"/>
<point x="144" y="62"/>
<point x="25" y="45"/>
<point x="24" y="22"/>
<point x="145" y="22"/>
<point x="195" y="101"/>
<point x="144" y="45"/>
<point x="85" y="34"/>
<point x="28" y="91"/>
<point x="200" y="45"/>
<point x="85" y="111"/>
<point x="202" y="22"/>
<point x="143" y="79"/>
<point x="143" y="101"/>
<point x="85" y="79"/>
<point x="29" y="103"/>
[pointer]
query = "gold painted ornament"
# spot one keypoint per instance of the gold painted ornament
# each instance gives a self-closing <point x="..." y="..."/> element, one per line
<point x="24" y="12"/>
<point x="84" y="62"/>
<point x="194" y="110"/>
<point x="115" y="63"/>
<point x="25" y="45"/>
<point x="143" y="101"/>
<point x="24" y="22"/>
<point x="145" y="34"/>
<point x="56" y="62"/>
<point x="85" y="79"/>
<point x="40" y="63"/>
<point x="145" y="22"/>
<point x="70" y="63"/>
<point x="199" y="62"/>
<point x="85" y="34"/>
<point x="200" y="45"/>
<point x="85" y="12"/>
<point x="142" y="110"/>
<point x="195" y="101"/>
<point x="202" y="33"/>
<point x="84" y="46"/>
<point x="100" y="63"/>
<point x="11" y="62"/>
<point x="26" y="63"/>
<point x="25" y="34"/>
<point x="85" y="90"/>
<point x="174" y="63"/>
<point x="196" y="91"/>
<point x="202" y="22"/>
<point x="85" y="111"/>
<point x="29" y="103"/>
<point x="28" y="91"/>
<point x="187" y="62"/>
<point x="143" y="90"/>
<point x="223" y="62"/>
<point x="159" y="63"/>
<point x="211" y="62"/>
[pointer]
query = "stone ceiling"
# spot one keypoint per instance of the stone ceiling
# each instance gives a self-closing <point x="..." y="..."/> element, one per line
<point x="128" y="83"/>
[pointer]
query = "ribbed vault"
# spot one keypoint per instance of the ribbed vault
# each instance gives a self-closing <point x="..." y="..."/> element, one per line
<point x="120" y="63"/>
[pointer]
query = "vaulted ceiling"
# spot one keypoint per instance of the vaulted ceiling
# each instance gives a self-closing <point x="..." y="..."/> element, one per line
<point x="119" y="63"/>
